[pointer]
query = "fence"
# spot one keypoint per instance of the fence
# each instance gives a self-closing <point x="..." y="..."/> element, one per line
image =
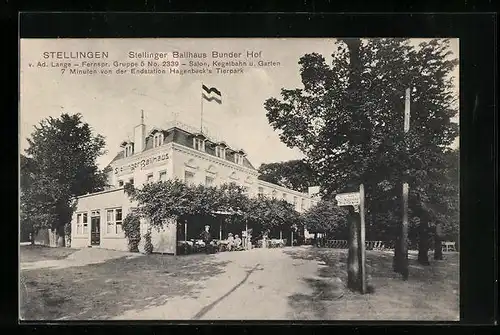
<point x="381" y="245"/>
<point x="369" y="245"/>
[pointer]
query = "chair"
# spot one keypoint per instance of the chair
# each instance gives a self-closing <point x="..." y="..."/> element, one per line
<point x="448" y="246"/>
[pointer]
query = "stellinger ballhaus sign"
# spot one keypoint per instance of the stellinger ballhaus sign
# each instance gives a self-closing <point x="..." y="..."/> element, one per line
<point x="142" y="164"/>
<point x="348" y="199"/>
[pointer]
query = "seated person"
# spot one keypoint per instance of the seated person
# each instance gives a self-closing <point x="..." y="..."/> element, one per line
<point x="237" y="242"/>
<point x="230" y="241"/>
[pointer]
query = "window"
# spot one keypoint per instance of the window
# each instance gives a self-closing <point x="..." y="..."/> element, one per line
<point x="157" y="140"/>
<point x="260" y="192"/>
<point x="198" y="144"/>
<point x="238" y="159"/>
<point x="274" y="194"/>
<point x="303" y="204"/>
<point x="129" y="150"/>
<point x="163" y="175"/>
<point x="209" y="181"/>
<point x="118" y="220"/>
<point x="295" y="202"/>
<point x="188" y="177"/>
<point x="114" y="221"/>
<point x="149" y="178"/>
<point x="85" y="222"/>
<point x="220" y="152"/>
<point x="81" y="223"/>
<point x="120" y="183"/>
<point x="284" y="196"/>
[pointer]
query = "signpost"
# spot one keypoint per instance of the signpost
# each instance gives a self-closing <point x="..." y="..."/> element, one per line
<point x="357" y="200"/>
<point x="348" y="199"/>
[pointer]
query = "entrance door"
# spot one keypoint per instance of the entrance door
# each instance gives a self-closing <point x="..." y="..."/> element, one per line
<point x="95" y="228"/>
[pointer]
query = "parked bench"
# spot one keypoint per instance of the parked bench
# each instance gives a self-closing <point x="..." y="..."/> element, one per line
<point x="448" y="246"/>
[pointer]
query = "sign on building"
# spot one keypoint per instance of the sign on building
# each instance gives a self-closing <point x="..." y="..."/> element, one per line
<point x="348" y="199"/>
<point x="144" y="163"/>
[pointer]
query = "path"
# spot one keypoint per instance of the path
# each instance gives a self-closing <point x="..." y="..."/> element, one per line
<point x="82" y="257"/>
<point x="255" y="286"/>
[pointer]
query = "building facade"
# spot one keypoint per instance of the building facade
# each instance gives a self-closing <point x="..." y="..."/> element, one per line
<point x="175" y="152"/>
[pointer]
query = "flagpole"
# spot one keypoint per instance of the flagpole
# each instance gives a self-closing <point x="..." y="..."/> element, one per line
<point x="201" y="115"/>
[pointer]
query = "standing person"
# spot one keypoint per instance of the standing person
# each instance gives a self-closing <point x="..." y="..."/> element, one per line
<point x="207" y="238"/>
<point x="230" y="241"/>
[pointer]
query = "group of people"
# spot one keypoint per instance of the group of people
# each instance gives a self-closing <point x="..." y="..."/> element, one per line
<point x="232" y="242"/>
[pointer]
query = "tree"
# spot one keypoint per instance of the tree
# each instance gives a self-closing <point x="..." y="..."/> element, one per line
<point x="173" y="199"/>
<point x="293" y="174"/>
<point x="348" y="120"/>
<point x="60" y="163"/>
<point x="326" y="217"/>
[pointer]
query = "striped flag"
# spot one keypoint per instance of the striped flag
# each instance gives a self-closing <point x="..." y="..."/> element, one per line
<point x="211" y="94"/>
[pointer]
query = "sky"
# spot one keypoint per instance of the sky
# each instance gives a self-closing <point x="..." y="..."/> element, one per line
<point x="112" y="104"/>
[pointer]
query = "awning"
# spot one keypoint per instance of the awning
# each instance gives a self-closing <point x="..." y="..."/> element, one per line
<point x="227" y="212"/>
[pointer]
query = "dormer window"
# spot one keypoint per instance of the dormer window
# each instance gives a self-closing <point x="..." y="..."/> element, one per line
<point x="199" y="144"/>
<point x="129" y="150"/>
<point x="238" y="158"/>
<point x="220" y="152"/>
<point x="157" y="139"/>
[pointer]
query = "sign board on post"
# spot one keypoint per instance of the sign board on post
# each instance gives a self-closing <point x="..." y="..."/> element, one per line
<point x="348" y="199"/>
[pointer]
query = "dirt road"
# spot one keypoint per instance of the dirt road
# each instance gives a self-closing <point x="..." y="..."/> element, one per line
<point x="256" y="285"/>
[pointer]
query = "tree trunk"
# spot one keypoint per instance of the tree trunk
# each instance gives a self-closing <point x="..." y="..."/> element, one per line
<point x="423" y="243"/>
<point x="353" y="255"/>
<point x="438" y="251"/>
<point x="396" y="263"/>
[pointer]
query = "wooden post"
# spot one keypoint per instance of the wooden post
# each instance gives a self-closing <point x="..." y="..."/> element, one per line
<point x="220" y="230"/>
<point x="401" y="247"/>
<point x="362" y="246"/>
<point x="281" y="234"/>
<point x="404" y="228"/>
<point x="291" y="240"/>
<point x="404" y="233"/>
<point x="185" y="231"/>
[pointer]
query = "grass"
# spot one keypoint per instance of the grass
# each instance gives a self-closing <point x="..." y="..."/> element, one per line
<point x="431" y="292"/>
<point x="111" y="288"/>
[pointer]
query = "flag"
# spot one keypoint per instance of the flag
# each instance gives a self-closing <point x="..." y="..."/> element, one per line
<point x="211" y="94"/>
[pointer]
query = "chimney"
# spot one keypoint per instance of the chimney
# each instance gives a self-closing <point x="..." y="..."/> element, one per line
<point x="139" y="135"/>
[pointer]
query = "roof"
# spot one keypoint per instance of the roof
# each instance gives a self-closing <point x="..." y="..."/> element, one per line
<point x="180" y="133"/>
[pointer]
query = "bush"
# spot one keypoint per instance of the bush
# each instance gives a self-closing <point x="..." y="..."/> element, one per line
<point x="131" y="228"/>
<point x="67" y="233"/>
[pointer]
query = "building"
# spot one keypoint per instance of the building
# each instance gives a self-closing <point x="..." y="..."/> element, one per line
<point x="175" y="151"/>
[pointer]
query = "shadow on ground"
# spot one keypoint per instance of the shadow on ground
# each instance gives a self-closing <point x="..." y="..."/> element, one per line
<point x="326" y="285"/>
<point x="112" y="287"/>
<point x="431" y="293"/>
